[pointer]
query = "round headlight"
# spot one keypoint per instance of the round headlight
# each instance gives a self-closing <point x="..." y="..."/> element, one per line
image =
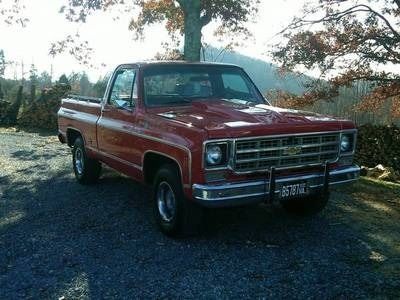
<point x="345" y="144"/>
<point x="214" y="155"/>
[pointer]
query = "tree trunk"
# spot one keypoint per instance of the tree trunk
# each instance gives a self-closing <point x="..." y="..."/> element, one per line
<point x="193" y="26"/>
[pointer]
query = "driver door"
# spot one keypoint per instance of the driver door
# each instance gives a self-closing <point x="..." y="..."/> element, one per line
<point x="118" y="118"/>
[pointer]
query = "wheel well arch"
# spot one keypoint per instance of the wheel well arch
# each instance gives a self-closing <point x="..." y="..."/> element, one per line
<point x="153" y="160"/>
<point x="72" y="135"/>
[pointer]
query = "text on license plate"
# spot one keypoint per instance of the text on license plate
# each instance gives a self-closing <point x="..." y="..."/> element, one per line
<point x="293" y="190"/>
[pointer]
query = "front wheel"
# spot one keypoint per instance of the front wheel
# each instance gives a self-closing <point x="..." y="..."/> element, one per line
<point x="174" y="214"/>
<point x="87" y="170"/>
<point x="306" y="206"/>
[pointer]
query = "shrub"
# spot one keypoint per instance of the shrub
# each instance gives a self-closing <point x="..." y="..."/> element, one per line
<point x="4" y="107"/>
<point x="9" y="112"/>
<point x="43" y="112"/>
<point x="378" y="145"/>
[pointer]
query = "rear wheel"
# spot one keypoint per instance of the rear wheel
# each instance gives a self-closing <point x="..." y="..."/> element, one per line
<point x="306" y="206"/>
<point x="87" y="170"/>
<point x="174" y="214"/>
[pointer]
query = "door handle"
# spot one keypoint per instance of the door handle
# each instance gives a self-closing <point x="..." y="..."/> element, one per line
<point x="106" y="109"/>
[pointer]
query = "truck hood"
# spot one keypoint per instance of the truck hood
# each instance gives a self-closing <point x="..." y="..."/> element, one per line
<point x="227" y="119"/>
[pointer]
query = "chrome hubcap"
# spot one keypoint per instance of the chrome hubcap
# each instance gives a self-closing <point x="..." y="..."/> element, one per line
<point x="166" y="201"/>
<point x="79" y="164"/>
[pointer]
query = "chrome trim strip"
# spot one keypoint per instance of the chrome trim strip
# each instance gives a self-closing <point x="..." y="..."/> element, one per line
<point x="284" y="157"/>
<point x="235" y="197"/>
<point x="346" y="170"/>
<point x="283" y="147"/>
<point x="78" y="100"/>
<point x="81" y="116"/>
<point x="288" y="134"/>
<point x="352" y="169"/>
<point x="115" y="158"/>
<point x="294" y="167"/>
<point x="230" y="185"/>
<point x="333" y="183"/>
<point x="342" y="181"/>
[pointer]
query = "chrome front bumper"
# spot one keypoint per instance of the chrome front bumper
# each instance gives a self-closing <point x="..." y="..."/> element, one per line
<point x="242" y="193"/>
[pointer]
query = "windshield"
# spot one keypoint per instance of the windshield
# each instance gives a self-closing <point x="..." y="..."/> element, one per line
<point x="181" y="84"/>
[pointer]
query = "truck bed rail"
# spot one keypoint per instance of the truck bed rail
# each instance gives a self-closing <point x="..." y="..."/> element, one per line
<point x="84" y="98"/>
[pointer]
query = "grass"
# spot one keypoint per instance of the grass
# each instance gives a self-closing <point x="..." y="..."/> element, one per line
<point x="377" y="190"/>
<point x="380" y="185"/>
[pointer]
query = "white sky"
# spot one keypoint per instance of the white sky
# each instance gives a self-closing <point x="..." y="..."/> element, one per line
<point x="111" y="40"/>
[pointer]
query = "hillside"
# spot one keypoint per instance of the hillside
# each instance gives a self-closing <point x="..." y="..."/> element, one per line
<point x="263" y="73"/>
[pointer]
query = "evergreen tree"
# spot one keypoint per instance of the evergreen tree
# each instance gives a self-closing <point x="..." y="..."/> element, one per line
<point x="33" y="79"/>
<point x="84" y="84"/>
<point x="100" y="86"/>
<point x="2" y="63"/>
<point x="63" y="79"/>
<point x="44" y="80"/>
<point x="1" y="92"/>
<point x="13" y="111"/>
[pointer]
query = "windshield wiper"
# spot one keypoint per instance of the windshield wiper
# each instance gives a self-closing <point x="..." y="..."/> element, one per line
<point x="181" y="100"/>
<point x="238" y="101"/>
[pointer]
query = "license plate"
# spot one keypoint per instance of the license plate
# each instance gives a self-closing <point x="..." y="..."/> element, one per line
<point x="293" y="190"/>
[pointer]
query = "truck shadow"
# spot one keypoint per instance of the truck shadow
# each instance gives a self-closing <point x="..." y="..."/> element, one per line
<point x="59" y="238"/>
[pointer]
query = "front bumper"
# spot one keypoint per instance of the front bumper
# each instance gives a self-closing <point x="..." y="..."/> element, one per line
<point x="248" y="192"/>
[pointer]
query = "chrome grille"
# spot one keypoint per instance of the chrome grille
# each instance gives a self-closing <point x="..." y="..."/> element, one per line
<point x="286" y="151"/>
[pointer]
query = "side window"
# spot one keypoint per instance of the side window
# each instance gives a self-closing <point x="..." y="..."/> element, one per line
<point x="123" y="89"/>
<point x="235" y="86"/>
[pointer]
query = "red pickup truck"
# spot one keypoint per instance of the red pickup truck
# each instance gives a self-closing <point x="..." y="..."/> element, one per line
<point x="203" y="135"/>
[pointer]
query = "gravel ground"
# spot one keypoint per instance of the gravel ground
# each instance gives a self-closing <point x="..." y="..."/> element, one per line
<point x="61" y="240"/>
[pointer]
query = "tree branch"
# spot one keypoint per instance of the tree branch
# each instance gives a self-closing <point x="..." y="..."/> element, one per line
<point x="338" y="15"/>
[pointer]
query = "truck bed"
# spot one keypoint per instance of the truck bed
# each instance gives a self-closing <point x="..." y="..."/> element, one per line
<point x="82" y="114"/>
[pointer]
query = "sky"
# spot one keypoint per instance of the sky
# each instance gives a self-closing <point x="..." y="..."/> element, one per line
<point x="111" y="40"/>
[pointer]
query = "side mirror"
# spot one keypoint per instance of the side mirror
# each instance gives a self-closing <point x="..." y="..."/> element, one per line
<point x="126" y="105"/>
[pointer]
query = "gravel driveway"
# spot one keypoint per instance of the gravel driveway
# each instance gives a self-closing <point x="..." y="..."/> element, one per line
<point x="61" y="240"/>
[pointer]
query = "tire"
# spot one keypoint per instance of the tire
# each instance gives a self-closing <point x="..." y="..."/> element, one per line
<point x="87" y="170"/>
<point x="308" y="206"/>
<point x="175" y="215"/>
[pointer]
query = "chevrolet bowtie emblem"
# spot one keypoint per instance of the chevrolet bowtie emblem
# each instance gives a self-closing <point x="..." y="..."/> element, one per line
<point x="292" y="150"/>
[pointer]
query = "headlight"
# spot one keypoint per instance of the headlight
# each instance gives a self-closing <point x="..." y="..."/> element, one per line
<point x="216" y="155"/>
<point x="346" y="144"/>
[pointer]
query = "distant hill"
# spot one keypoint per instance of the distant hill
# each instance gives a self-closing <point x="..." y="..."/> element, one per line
<point x="264" y="74"/>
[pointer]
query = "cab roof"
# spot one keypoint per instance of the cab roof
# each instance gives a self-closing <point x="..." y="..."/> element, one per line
<point x="176" y="62"/>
